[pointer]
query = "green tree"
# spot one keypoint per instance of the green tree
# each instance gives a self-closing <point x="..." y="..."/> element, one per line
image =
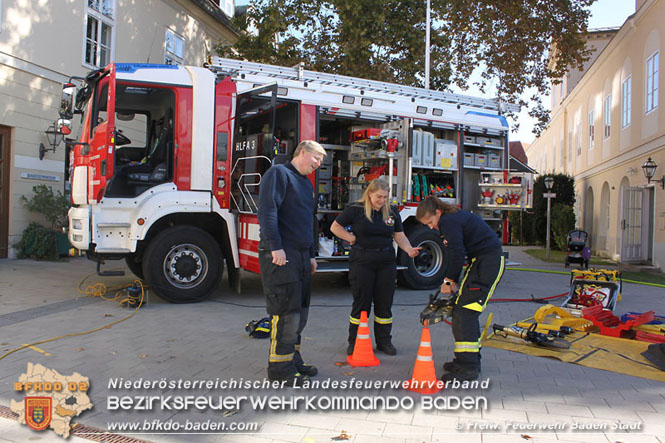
<point x="39" y="241"/>
<point x="384" y="40"/>
<point x="563" y="221"/>
<point x="534" y="222"/>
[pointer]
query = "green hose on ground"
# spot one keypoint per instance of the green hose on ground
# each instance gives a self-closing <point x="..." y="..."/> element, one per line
<point x="657" y="285"/>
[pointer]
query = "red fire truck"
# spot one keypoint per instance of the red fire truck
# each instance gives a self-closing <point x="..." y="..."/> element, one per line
<point x="166" y="170"/>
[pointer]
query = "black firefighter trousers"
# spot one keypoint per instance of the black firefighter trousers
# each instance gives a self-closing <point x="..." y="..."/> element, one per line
<point x="372" y="276"/>
<point x="287" y="290"/>
<point x="481" y="278"/>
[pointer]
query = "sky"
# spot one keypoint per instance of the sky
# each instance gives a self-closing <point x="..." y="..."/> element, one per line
<point x="604" y="13"/>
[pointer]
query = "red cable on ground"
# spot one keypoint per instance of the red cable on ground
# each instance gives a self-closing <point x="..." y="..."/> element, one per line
<point x="563" y="294"/>
<point x="528" y="299"/>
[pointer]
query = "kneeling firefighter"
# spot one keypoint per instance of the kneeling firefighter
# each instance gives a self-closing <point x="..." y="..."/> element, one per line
<point x="465" y="234"/>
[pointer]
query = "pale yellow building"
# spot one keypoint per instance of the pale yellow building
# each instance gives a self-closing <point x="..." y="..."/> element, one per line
<point x="606" y="122"/>
<point x="43" y="43"/>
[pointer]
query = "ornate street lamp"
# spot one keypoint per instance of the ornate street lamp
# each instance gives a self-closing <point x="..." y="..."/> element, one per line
<point x="549" y="182"/>
<point x="649" y="168"/>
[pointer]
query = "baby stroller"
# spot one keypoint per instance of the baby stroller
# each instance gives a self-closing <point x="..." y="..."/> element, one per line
<point x="577" y="250"/>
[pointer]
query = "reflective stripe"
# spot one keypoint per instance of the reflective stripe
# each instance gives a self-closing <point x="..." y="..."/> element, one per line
<point x="364" y="325"/>
<point x="280" y="358"/>
<point x="466" y="275"/>
<point x="423" y="358"/>
<point x="274" y="357"/>
<point x="475" y="306"/>
<point x="496" y="282"/>
<point x="354" y="321"/>
<point x="383" y="321"/>
<point x="427" y="344"/>
<point x="273" y="334"/>
<point x="297" y="347"/>
<point x="362" y="336"/>
<point x="467" y="346"/>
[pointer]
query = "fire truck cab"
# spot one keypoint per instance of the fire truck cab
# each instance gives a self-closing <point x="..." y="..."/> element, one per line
<point x="166" y="170"/>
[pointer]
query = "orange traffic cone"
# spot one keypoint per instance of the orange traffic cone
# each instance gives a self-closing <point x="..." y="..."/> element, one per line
<point x="363" y="354"/>
<point x="424" y="379"/>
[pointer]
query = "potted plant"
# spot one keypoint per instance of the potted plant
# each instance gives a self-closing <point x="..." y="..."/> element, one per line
<point x="39" y="241"/>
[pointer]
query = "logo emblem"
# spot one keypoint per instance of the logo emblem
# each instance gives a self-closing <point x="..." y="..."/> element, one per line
<point x="390" y="221"/>
<point x="38" y="412"/>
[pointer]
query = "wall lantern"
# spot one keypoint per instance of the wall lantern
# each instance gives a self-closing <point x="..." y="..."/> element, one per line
<point x="649" y="168"/>
<point x="53" y="137"/>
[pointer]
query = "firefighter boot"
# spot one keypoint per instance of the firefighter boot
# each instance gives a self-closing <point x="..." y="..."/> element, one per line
<point x="464" y="367"/>
<point x="386" y="348"/>
<point x="454" y="366"/>
<point x="308" y="370"/>
<point x="462" y="374"/>
<point x="301" y="366"/>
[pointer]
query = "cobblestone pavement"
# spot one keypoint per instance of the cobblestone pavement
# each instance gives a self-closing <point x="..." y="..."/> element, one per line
<point x="207" y="341"/>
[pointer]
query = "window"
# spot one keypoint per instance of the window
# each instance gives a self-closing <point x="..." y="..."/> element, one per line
<point x="625" y="102"/>
<point x="174" y="48"/>
<point x="652" y="82"/>
<point x="227" y="6"/>
<point x="99" y="33"/>
<point x="570" y="146"/>
<point x="607" y="109"/>
<point x="578" y="138"/>
<point x="592" y="128"/>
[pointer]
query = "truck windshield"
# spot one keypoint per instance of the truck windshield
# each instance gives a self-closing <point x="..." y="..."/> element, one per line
<point x="144" y="139"/>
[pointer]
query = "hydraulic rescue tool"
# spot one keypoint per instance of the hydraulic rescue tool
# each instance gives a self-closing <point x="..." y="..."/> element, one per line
<point x="531" y="335"/>
<point x="438" y="309"/>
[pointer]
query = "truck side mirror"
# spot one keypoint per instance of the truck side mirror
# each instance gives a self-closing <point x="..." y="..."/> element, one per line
<point x="67" y="103"/>
<point x="63" y="126"/>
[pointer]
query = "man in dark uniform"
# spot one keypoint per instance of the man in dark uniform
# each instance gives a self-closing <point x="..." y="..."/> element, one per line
<point x="465" y="234"/>
<point x="286" y="258"/>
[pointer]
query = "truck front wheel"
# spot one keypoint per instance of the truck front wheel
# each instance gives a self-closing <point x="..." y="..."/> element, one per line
<point x="182" y="264"/>
<point x="135" y="265"/>
<point x="426" y="271"/>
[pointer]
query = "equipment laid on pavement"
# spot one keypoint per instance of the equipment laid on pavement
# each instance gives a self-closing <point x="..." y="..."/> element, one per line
<point x="438" y="309"/>
<point x="556" y="317"/>
<point x="591" y="350"/>
<point x="612" y="325"/>
<point x="598" y="274"/>
<point x="363" y="354"/>
<point x="423" y="380"/>
<point x="656" y="354"/>
<point x="531" y="335"/>
<point x="259" y="328"/>
<point x="585" y="293"/>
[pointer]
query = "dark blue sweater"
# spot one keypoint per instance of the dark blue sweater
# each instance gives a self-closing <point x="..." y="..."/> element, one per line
<point x="465" y="234"/>
<point x="286" y="209"/>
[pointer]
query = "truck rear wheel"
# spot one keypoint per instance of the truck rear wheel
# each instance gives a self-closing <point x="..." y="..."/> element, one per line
<point x="426" y="271"/>
<point x="183" y="264"/>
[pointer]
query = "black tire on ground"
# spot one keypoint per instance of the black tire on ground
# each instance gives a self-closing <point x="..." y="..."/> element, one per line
<point x="183" y="264"/>
<point x="134" y="265"/>
<point x="426" y="271"/>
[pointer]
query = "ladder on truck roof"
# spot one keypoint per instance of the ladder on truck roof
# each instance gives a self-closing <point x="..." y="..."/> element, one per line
<point x="236" y="68"/>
